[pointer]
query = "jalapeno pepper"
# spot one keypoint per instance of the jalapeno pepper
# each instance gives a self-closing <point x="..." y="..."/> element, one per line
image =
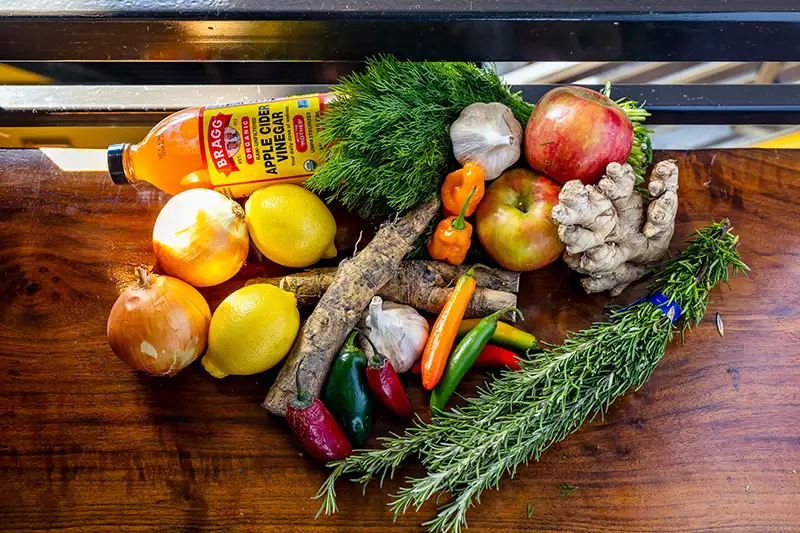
<point x="464" y="357"/>
<point x="315" y="429"/>
<point x="385" y="384"/>
<point x="347" y="393"/>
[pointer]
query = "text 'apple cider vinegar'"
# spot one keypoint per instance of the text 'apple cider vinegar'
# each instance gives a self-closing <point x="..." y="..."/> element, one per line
<point x="234" y="149"/>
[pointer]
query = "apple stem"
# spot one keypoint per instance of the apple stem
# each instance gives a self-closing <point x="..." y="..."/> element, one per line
<point x="459" y="222"/>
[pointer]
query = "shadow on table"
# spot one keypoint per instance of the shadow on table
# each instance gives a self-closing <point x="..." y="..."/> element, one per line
<point x="205" y="423"/>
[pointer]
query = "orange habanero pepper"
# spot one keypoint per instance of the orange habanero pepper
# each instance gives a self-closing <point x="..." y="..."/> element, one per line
<point x="452" y="237"/>
<point x="456" y="187"/>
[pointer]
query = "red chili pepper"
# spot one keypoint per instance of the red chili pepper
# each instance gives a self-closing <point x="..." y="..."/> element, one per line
<point x="495" y="356"/>
<point x="490" y="357"/>
<point x="385" y="384"/>
<point x="315" y="429"/>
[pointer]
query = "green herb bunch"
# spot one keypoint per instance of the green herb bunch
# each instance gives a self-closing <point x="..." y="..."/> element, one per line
<point x="518" y="415"/>
<point x="389" y="131"/>
<point x="641" y="155"/>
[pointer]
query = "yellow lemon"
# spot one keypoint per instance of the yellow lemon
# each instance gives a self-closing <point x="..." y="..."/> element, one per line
<point x="251" y="331"/>
<point x="290" y="225"/>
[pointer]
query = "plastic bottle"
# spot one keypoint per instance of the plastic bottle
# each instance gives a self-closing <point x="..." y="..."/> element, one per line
<point x="234" y="149"/>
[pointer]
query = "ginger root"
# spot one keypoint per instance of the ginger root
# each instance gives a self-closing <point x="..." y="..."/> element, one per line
<point x="608" y="234"/>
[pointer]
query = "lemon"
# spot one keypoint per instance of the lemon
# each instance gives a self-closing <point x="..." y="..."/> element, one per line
<point x="251" y="331"/>
<point x="290" y="225"/>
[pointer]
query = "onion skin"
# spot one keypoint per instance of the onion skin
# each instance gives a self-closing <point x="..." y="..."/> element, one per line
<point x="200" y="236"/>
<point x="159" y="325"/>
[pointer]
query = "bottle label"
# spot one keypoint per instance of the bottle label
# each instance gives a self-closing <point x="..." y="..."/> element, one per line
<point x="248" y="146"/>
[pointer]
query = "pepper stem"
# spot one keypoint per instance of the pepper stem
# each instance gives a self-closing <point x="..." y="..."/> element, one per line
<point x="459" y="222"/>
<point x="377" y="356"/>
<point x="374" y="349"/>
<point x="497" y="314"/>
<point x="302" y="398"/>
<point x="351" y="339"/>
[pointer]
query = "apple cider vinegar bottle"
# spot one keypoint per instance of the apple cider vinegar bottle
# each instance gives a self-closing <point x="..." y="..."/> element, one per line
<point x="234" y="149"/>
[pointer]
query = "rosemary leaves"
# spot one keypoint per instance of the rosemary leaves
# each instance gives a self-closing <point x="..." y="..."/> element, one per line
<point x="518" y="415"/>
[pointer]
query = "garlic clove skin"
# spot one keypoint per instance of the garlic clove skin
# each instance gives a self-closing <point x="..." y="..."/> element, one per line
<point x="487" y="135"/>
<point x="398" y="331"/>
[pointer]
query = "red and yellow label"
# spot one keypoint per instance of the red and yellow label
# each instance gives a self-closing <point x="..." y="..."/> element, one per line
<point x="248" y="146"/>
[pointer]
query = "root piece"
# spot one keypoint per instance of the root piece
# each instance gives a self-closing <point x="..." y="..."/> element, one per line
<point x="424" y="285"/>
<point x="442" y="274"/>
<point x="340" y="308"/>
<point x="609" y="235"/>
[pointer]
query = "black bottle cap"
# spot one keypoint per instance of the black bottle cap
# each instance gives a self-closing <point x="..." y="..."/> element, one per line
<point x="116" y="168"/>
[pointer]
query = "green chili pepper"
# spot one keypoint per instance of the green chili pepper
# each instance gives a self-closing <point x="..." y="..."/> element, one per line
<point x="346" y="393"/>
<point x="464" y="356"/>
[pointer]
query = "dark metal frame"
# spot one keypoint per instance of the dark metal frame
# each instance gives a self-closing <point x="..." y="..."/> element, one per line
<point x="458" y="36"/>
<point x="349" y="30"/>
<point x="69" y="31"/>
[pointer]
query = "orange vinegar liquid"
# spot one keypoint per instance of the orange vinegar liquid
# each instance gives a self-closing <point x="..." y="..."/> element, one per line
<point x="169" y="156"/>
<point x="234" y="149"/>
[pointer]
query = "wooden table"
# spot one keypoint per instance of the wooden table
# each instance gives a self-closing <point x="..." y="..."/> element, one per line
<point x="710" y="444"/>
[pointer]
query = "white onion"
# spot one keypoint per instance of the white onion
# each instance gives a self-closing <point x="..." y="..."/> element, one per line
<point x="200" y="236"/>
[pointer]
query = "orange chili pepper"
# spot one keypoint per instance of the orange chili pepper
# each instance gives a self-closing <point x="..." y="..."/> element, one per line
<point x="444" y="330"/>
<point x="452" y="237"/>
<point x="456" y="187"/>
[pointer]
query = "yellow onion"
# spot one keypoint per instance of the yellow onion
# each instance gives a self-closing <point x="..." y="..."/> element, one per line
<point x="159" y="325"/>
<point x="201" y="237"/>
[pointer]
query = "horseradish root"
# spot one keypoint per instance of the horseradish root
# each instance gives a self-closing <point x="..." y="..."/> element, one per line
<point x="340" y="308"/>
<point x="424" y="285"/>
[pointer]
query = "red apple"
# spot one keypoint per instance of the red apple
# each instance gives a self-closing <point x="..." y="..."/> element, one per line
<point x="513" y="220"/>
<point x="574" y="132"/>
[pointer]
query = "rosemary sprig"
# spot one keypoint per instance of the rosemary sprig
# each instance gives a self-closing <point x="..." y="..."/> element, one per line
<point x="567" y="489"/>
<point x="518" y="415"/>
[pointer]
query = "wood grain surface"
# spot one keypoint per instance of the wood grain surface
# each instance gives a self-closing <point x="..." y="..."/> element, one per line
<point x="710" y="444"/>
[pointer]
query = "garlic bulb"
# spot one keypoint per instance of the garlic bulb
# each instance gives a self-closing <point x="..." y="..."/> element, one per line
<point x="398" y="331"/>
<point x="488" y="135"/>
